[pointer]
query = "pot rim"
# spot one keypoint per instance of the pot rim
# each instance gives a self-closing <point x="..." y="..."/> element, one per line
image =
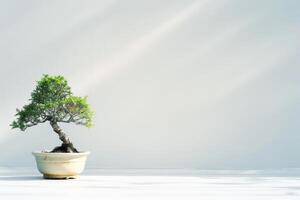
<point x="40" y="153"/>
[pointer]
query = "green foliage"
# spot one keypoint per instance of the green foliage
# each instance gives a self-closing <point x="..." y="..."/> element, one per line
<point x="52" y="100"/>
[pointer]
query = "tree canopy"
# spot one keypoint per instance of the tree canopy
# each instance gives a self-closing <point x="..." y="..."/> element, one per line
<point x="53" y="101"/>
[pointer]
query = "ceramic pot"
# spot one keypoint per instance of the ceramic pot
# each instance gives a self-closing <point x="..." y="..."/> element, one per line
<point x="60" y="165"/>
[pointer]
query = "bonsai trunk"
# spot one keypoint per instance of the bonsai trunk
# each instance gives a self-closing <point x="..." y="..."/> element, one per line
<point x="66" y="146"/>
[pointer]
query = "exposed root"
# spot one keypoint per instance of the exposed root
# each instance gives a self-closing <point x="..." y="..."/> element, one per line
<point x="65" y="148"/>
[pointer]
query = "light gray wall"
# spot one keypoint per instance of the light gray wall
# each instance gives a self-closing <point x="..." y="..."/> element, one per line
<point x="206" y="84"/>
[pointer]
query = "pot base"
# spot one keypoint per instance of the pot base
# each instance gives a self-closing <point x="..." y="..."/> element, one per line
<point x="50" y="176"/>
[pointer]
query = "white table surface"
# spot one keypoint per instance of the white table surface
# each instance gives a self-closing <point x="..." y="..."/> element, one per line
<point x="17" y="183"/>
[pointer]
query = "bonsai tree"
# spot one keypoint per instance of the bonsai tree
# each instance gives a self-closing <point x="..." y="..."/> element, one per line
<point x="52" y="101"/>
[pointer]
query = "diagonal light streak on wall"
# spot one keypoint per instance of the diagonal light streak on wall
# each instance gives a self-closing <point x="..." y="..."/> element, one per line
<point x="273" y="54"/>
<point x="105" y="69"/>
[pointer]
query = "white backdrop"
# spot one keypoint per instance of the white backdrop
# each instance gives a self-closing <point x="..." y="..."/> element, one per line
<point x="210" y="84"/>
